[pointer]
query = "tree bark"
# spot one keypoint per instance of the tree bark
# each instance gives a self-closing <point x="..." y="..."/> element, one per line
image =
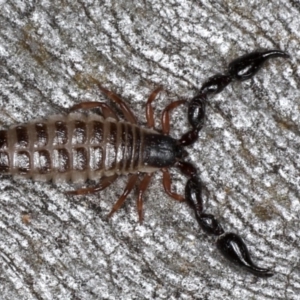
<point x="55" y="246"/>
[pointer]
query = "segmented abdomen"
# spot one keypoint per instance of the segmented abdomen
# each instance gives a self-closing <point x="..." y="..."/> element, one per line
<point x="74" y="147"/>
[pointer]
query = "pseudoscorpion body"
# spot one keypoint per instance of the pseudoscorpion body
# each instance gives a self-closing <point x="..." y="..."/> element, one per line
<point x="78" y="147"/>
<point x="75" y="148"/>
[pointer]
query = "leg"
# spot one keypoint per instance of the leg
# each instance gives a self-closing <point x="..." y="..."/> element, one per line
<point x="106" y="110"/>
<point x="165" y="118"/>
<point x="149" y="108"/>
<point x="142" y="188"/>
<point x="128" y="114"/>
<point x="132" y="180"/>
<point x="167" y="186"/>
<point x="103" y="184"/>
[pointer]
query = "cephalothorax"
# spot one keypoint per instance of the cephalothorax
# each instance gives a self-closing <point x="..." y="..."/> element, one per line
<point x="78" y="147"/>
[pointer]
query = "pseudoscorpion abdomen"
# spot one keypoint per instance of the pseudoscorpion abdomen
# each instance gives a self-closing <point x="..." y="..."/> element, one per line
<point x="73" y="148"/>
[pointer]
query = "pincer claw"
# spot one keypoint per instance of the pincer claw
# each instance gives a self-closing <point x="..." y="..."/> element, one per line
<point x="234" y="248"/>
<point x="247" y="66"/>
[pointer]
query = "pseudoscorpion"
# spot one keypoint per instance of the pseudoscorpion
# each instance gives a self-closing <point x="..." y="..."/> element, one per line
<point x="78" y="147"/>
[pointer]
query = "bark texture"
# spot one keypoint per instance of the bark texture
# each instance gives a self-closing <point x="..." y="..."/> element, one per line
<point x="54" y="246"/>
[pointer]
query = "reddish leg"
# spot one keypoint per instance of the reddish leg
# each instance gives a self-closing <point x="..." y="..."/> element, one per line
<point x="132" y="180"/>
<point x="165" y="118"/>
<point x="142" y="188"/>
<point x="103" y="184"/>
<point x="167" y="186"/>
<point x="106" y="110"/>
<point x="149" y="108"/>
<point x="128" y="114"/>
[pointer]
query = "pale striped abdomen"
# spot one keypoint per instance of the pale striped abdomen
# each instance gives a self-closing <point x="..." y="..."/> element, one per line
<point x="75" y="147"/>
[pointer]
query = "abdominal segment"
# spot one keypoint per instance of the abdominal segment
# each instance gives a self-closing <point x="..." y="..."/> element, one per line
<point x="73" y="148"/>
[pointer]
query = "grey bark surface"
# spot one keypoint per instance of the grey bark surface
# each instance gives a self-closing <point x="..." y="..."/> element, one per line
<point x="53" y="246"/>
